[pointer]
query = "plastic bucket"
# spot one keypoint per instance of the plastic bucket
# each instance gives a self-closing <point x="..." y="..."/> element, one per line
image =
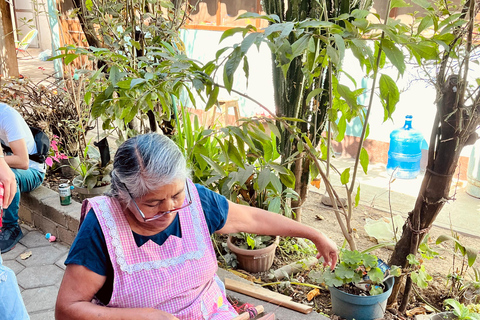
<point x="351" y="306"/>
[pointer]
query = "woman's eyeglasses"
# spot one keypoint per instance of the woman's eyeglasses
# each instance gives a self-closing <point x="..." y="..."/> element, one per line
<point x="162" y="213"/>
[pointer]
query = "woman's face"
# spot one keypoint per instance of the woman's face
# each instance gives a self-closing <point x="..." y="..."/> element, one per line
<point x="161" y="203"/>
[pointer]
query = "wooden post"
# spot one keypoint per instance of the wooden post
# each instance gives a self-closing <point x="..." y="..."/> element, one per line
<point x="8" y="54"/>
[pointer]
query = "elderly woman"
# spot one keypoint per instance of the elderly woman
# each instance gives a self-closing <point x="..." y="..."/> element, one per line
<point x="144" y="251"/>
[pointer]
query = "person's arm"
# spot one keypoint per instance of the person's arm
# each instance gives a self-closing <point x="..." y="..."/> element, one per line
<point x="78" y="287"/>
<point x="19" y="158"/>
<point x="254" y="220"/>
<point x="7" y="177"/>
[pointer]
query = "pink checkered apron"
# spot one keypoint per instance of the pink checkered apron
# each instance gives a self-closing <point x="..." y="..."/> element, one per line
<point x="178" y="277"/>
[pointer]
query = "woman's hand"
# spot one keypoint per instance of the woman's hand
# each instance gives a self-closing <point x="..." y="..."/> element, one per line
<point x="328" y="250"/>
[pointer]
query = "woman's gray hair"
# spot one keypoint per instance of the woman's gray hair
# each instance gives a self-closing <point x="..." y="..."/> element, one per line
<point x="145" y="163"/>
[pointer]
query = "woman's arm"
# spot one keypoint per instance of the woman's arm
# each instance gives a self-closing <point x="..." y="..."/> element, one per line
<point x="19" y="158"/>
<point x="78" y="287"/>
<point x="254" y="220"/>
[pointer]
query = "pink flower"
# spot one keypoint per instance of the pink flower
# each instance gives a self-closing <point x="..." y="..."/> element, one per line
<point x="49" y="161"/>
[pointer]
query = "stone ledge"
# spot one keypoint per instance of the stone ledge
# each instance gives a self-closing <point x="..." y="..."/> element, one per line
<point x="41" y="208"/>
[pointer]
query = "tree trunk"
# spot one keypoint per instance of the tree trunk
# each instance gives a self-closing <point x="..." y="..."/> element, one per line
<point x="9" y="54"/>
<point x="452" y="132"/>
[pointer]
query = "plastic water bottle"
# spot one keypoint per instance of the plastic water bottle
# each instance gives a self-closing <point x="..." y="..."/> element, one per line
<point x="405" y="151"/>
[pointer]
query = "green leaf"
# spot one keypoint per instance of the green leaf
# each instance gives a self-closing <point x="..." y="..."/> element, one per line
<point x="376" y="275"/>
<point x="214" y="166"/>
<point x="344" y="272"/>
<point x="426" y="22"/>
<point x="299" y="46"/>
<point x="331" y="280"/>
<point x="115" y="75"/>
<point x="231" y="32"/>
<point x="421" y="278"/>
<point x="288" y="179"/>
<point x="345" y="177"/>
<point x="389" y="95"/>
<point x="212" y="99"/>
<point x="99" y="106"/>
<point x="370" y="261"/>
<point x="340" y="45"/>
<point x="125" y="84"/>
<point x="412" y="259"/>
<point x="253" y="15"/>
<point x="313" y="93"/>
<point x="394" y="54"/>
<point x="423" y="3"/>
<point x="263" y="179"/>
<point x="230" y="67"/>
<point x="357" y="197"/>
<point x="234" y="155"/>
<point x="275" y="205"/>
<point x="399" y="4"/>
<point x="89" y="5"/>
<point x="364" y="160"/>
<point x="137" y="81"/>
<point x="69" y="58"/>
<point x="87" y="97"/>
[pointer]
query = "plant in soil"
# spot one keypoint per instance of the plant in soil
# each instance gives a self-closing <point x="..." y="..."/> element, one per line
<point x="461" y="311"/>
<point x="251" y="241"/>
<point x="93" y="171"/>
<point x="359" y="273"/>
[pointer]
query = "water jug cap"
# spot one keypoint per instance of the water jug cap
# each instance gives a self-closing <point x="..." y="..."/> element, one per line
<point x="408" y="117"/>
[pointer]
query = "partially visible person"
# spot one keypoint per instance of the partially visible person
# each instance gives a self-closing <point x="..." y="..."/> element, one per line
<point x="11" y="302"/>
<point x="145" y="252"/>
<point x="7" y="177"/>
<point x="15" y="134"/>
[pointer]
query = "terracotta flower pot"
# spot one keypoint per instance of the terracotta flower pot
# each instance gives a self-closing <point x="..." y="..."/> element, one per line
<point x="257" y="260"/>
<point x="84" y="193"/>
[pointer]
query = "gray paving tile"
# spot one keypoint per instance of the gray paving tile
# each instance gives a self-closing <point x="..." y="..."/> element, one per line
<point x="34" y="239"/>
<point x="41" y="256"/>
<point x="14" y="265"/>
<point x="61" y="262"/>
<point x="12" y="254"/>
<point x="61" y="246"/>
<point x="40" y="276"/>
<point x="40" y="299"/>
<point x="46" y="315"/>
<point x="26" y="228"/>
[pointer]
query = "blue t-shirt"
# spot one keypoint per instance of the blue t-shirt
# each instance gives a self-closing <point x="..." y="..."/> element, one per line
<point x="89" y="248"/>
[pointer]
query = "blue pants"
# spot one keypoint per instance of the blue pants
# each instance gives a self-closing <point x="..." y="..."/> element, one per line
<point x="27" y="180"/>
<point x="11" y="302"/>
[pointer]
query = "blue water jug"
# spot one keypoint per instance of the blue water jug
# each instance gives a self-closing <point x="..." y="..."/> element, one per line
<point x="405" y="151"/>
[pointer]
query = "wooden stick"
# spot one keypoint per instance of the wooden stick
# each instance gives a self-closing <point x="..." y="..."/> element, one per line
<point x="266" y="295"/>
<point x="246" y="316"/>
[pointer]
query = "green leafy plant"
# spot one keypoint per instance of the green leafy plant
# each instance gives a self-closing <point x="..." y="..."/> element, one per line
<point x="358" y="268"/>
<point x="251" y="241"/>
<point x="461" y="311"/>
<point x="460" y="285"/>
<point x="91" y="172"/>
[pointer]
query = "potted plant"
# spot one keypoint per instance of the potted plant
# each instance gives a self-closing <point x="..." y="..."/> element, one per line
<point x="254" y="253"/>
<point x="358" y="286"/>
<point x="459" y="311"/>
<point x="93" y="173"/>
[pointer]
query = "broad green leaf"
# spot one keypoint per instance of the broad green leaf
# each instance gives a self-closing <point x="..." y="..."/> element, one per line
<point x="348" y="95"/>
<point x="340" y="45"/>
<point x="399" y="4"/>
<point x="333" y="55"/>
<point x="370" y="261"/>
<point x="345" y="177"/>
<point x="376" y="275"/>
<point x="288" y="179"/>
<point x="394" y="54"/>
<point x="248" y="41"/>
<point x="131" y="113"/>
<point x="352" y="257"/>
<point x="313" y="93"/>
<point x="279" y="168"/>
<point x="136" y="81"/>
<point x="253" y="15"/>
<point x="412" y="260"/>
<point x="341" y="127"/>
<point x="314" y="24"/>
<point x="331" y="280"/>
<point x="125" y="84"/>
<point x="471" y="255"/>
<point x="426" y="22"/>
<point x="212" y="99"/>
<point x="423" y="3"/>
<point x="115" y="75"/>
<point x="99" y="106"/>
<point x="215" y="166"/>
<point x="275" y="205"/>
<point x="344" y="272"/>
<point x="424" y="50"/>
<point x="299" y="46"/>
<point x="421" y="278"/>
<point x="246" y="69"/>
<point x="231" y="32"/>
<point x="69" y="58"/>
<point x="389" y="95"/>
<point x="234" y="155"/>
<point x="277" y="185"/>
<point x="263" y="179"/>
<point x="230" y="67"/>
<point x="87" y="97"/>
<point x="364" y="160"/>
